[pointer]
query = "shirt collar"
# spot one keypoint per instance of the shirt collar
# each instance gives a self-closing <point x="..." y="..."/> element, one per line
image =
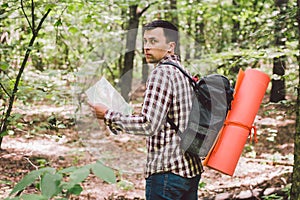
<point x="169" y="58"/>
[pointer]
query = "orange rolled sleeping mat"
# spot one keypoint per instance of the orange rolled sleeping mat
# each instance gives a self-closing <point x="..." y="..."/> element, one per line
<point x="250" y="88"/>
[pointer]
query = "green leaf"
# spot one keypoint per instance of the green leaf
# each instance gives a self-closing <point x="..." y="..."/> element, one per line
<point x="15" y="198"/>
<point x="88" y="19"/>
<point x="50" y="6"/>
<point x="61" y="126"/>
<point x="5" y="5"/>
<point x="71" y="8"/>
<point x="50" y="184"/>
<point x="125" y="185"/>
<point x="77" y="176"/>
<point x="73" y="30"/>
<point x="58" y="23"/>
<point x="4" y="65"/>
<point x="30" y="178"/>
<point x="5" y="133"/>
<point x="80" y="174"/>
<point x="67" y="170"/>
<point x="33" y="197"/>
<point x="76" y="189"/>
<point x="103" y="172"/>
<point x="201" y="185"/>
<point x="16" y="116"/>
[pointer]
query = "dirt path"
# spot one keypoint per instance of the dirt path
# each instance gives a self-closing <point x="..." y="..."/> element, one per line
<point x="263" y="167"/>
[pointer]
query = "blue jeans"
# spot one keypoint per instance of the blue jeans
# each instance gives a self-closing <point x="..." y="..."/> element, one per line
<point x="169" y="186"/>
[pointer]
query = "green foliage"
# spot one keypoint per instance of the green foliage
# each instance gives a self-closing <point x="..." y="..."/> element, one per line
<point x="285" y="194"/>
<point x="81" y="35"/>
<point x="201" y="185"/>
<point x="30" y="178"/>
<point x="104" y="172"/>
<point x="52" y="183"/>
<point x="272" y="197"/>
<point x="125" y="185"/>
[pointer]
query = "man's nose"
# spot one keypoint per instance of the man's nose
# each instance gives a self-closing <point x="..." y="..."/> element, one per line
<point x="146" y="46"/>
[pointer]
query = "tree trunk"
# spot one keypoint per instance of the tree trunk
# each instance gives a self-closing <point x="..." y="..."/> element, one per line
<point x="127" y="70"/>
<point x="199" y="34"/>
<point x="145" y="67"/>
<point x="145" y="71"/>
<point x="278" y="83"/>
<point x="126" y="74"/>
<point x="295" y="190"/>
<point x="279" y="64"/>
<point x="189" y="34"/>
<point x="236" y="22"/>
<point x="172" y="15"/>
<point x="220" y="46"/>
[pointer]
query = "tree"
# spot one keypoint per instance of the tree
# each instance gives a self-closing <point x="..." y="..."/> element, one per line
<point x="295" y="190"/>
<point x="199" y="33"/>
<point x="236" y="23"/>
<point x="279" y="63"/>
<point x="172" y="16"/>
<point x="126" y="74"/>
<point x="13" y="94"/>
<point x="133" y="24"/>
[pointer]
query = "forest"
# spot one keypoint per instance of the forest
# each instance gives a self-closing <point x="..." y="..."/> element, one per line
<point x="51" y="52"/>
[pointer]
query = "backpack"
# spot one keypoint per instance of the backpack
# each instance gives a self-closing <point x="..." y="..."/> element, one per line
<point x="211" y="102"/>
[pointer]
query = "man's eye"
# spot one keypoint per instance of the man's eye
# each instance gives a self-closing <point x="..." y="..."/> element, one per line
<point x="153" y="41"/>
<point x="150" y="41"/>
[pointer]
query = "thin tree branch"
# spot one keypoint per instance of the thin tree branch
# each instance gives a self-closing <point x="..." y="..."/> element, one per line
<point x="32" y="17"/>
<point x="42" y="21"/>
<point x="3" y="88"/>
<point x="110" y="70"/>
<point x="146" y="8"/>
<point x="22" y="7"/>
<point x="31" y="163"/>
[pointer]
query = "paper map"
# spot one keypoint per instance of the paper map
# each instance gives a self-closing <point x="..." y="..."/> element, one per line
<point x="103" y="92"/>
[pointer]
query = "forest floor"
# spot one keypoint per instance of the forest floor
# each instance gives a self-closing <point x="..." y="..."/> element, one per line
<point x="264" y="168"/>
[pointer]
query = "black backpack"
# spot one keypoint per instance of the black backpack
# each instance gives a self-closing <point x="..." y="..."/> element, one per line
<point x="210" y="104"/>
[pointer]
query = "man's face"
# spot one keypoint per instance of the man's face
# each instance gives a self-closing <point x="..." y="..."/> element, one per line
<point x="156" y="46"/>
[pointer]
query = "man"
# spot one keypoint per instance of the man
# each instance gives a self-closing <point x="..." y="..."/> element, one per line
<point x="171" y="174"/>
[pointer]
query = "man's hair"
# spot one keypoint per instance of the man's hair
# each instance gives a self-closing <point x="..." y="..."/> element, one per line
<point x="170" y="30"/>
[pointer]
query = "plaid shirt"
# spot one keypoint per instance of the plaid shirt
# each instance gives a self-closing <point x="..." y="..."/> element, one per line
<point x="168" y="93"/>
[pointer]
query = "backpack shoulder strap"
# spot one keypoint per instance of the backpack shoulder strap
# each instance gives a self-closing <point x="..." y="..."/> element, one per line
<point x="173" y="125"/>
<point x="182" y="70"/>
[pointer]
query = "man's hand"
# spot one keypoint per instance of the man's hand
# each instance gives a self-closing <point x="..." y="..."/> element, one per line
<point x="98" y="109"/>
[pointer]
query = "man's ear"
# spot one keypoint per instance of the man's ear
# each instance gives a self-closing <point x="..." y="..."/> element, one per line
<point x="172" y="46"/>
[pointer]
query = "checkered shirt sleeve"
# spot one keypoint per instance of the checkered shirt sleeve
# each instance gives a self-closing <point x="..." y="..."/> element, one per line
<point x="157" y="101"/>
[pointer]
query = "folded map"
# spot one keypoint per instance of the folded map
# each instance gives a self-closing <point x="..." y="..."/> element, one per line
<point x="103" y="92"/>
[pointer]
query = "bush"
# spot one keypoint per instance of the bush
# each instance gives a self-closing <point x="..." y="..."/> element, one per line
<point x="51" y="183"/>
